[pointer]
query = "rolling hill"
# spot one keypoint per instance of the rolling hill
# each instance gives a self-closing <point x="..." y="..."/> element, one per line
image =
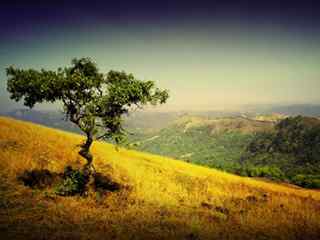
<point x="292" y="150"/>
<point x="159" y="198"/>
<point x="213" y="142"/>
<point x="272" y="146"/>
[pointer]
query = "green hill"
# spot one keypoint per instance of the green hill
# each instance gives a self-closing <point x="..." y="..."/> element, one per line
<point x="283" y="149"/>
<point x="291" y="152"/>
<point x="213" y="142"/>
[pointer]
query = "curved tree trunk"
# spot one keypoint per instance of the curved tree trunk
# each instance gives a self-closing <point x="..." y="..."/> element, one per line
<point x="88" y="169"/>
<point x="85" y="152"/>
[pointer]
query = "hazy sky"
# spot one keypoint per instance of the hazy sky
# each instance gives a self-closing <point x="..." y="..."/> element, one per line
<point x="209" y="55"/>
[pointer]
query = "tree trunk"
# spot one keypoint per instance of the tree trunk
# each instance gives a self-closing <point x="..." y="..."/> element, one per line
<point x="88" y="169"/>
<point x="85" y="152"/>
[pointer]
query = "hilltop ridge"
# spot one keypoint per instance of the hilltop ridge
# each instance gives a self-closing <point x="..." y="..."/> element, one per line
<point x="242" y="124"/>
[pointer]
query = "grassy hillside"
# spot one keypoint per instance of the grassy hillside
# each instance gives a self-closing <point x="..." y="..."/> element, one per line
<point x="161" y="198"/>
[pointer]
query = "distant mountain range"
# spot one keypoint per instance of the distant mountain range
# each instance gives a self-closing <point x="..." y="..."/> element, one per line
<point x="150" y="121"/>
<point x="310" y="110"/>
<point x="52" y="119"/>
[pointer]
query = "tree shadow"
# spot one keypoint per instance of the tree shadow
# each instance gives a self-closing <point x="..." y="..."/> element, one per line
<point x="39" y="178"/>
<point x="69" y="183"/>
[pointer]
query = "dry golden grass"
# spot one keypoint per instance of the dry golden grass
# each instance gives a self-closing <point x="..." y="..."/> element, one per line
<point x="163" y="198"/>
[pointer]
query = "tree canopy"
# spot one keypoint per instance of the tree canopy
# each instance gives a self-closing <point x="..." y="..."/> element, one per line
<point x="94" y="101"/>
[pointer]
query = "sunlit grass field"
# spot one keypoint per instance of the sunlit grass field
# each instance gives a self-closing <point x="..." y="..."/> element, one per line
<point x="161" y="198"/>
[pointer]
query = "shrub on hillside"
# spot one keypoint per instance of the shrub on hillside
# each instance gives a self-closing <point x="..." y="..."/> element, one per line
<point x="271" y="172"/>
<point x="74" y="182"/>
<point x="308" y="181"/>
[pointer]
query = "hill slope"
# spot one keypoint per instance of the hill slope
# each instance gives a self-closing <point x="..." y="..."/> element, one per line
<point x="213" y="142"/>
<point x="162" y="198"/>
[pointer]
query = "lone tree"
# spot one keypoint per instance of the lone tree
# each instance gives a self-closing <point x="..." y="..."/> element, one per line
<point x="95" y="102"/>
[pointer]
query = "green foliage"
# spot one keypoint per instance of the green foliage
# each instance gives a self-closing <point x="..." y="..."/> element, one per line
<point x="262" y="141"/>
<point x="74" y="182"/>
<point x="271" y="172"/>
<point x="308" y="181"/>
<point x="301" y="136"/>
<point x="196" y="145"/>
<point x="86" y="93"/>
<point x="295" y="135"/>
<point x="294" y="148"/>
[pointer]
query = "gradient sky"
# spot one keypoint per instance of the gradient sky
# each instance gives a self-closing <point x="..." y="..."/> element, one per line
<point x="210" y="55"/>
